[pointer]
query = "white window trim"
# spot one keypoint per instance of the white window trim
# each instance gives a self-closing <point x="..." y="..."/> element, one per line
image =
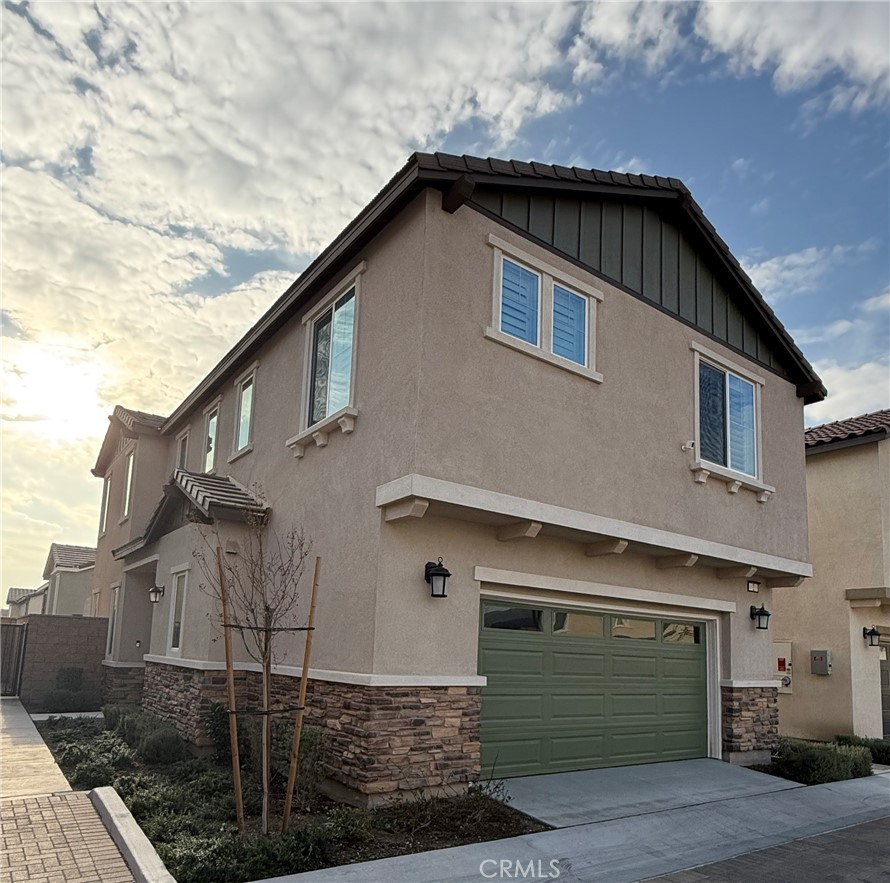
<point x="704" y="469"/>
<point x="183" y="435"/>
<point x="248" y="374"/>
<point x="113" y="619"/>
<point x="345" y="418"/>
<point x="174" y="574"/>
<point x="216" y="405"/>
<point x="129" y="481"/>
<point x="548" y="275"/>
<point x="103" y="511"/>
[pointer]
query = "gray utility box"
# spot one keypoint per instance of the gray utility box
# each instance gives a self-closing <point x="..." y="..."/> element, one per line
<point x="820" y="662"/>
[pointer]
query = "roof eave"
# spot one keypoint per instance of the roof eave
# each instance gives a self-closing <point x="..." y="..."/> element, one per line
<point x="852" y="441"/>
<point x="353" y="237"/>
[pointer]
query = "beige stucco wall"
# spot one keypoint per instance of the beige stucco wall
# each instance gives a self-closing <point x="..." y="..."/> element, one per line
<point x="848" y="494"/>
<point x="435" y="397"/>
<point x="71" y="591"/>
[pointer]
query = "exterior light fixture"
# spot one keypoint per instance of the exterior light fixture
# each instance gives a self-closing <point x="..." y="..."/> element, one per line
<point x="872" y="635"/>
<point x="155" y="593"/>
<point x="753" y="585"/>
<point x="437" y="576"/>
<point x="761" y="616"/>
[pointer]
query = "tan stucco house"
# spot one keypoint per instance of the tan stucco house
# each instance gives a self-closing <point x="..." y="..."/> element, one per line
<point x="831" y="615"/>
<point x="25" y="601"/>
<point x="560" y="382"/>
<point x="68" y="586"/>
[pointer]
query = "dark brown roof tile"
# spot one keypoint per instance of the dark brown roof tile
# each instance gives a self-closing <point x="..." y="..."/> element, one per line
<point x="877" y="423"/>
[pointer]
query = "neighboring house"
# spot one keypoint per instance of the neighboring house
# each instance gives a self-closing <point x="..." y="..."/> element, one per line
<point x="559" y="381"/>
<point x="69" y="575"/>
<point x="848" y="485"/>
<point x="24" y="601"/>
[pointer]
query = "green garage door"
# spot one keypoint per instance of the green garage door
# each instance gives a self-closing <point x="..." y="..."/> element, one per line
<point x="570" y="690"/>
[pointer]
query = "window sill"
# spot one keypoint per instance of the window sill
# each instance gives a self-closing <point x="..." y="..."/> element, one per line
<point x="702" y="470"/>
<point x="239" y="454"/>
<point x="318" y="433"/>
<point x="124" y="520"/>
<point x="541" y="355"/>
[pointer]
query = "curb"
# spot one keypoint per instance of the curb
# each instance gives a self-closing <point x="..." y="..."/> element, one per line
<point x="139" y="854"/>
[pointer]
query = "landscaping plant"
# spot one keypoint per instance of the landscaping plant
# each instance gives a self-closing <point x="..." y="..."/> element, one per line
<point x="879" y="748"/>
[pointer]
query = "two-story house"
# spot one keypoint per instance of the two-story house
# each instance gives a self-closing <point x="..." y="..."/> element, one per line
<point x="560" y="382"/>
<point x="842" y="616"/>
<point x="68" y="586"/>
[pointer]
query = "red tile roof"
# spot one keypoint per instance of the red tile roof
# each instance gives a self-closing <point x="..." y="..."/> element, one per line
<point x="876" y="423"/>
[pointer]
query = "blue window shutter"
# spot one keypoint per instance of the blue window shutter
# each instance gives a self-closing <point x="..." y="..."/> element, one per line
<point x="569" y="325"/>
<point x="519" y="302"/>
<point x="741" y="425"/>
<point x="712" y="414"/>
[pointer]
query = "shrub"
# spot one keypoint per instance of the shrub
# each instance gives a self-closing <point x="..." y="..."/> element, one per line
<point x="93" y="773"/>
<point x="163" y="745"/>
<point x="69" y="679"/>
<point x="879" y="748"/>
<point x="812" y="763"/>
<point x="63" y="700"/>
<point x="345" y="824"/>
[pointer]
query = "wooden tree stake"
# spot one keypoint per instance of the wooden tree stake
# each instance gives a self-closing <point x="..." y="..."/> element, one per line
<point x="230" y="686"/>
<point x="298" y="720"/>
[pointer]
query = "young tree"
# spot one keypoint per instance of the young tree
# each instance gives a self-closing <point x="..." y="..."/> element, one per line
<point x="257" y="576"/>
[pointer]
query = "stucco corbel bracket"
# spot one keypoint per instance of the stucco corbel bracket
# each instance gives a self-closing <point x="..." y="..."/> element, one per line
<point x="411" y="507"/>
<point x="320" y="439"/>
<point x="676" y="561"/>
<point x="780" y="582"/>
<point x="736" y="572"/>
<point x="701" y="475"/>
<point x="606" y="547"/>
<point x="520" y="530"/>
<point x="732" y="487"/>
<point x="763" y="496"/>
<point x="346" y="423"/>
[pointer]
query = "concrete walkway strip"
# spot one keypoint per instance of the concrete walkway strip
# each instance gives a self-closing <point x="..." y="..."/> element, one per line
<point x="629" y="849"/>
<point x="135" y="847"/>
<point x="26" y="765"/>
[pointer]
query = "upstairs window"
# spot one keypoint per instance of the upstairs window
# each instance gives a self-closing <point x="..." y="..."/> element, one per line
<point x="103" y="511"/>
<point x="727" y="405"/>
<point x="244" y="413"/>
<point x="177" y="607"/>
<point x="128" y="485"/>
<point x="212" y="426"/>
<point x="543" y="311"/>
<point x="333" y="345"/>
<point x="182" y="451"/>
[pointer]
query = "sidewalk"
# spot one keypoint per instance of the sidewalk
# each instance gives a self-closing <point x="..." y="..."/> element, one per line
<point x="48" y="833"/>
<point x="627" y="850"/>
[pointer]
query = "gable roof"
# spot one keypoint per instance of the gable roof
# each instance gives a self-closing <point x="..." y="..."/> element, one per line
<point x="457" y="177"/>
<point x="72" y="557"/>
<point x="125" y="423"/>
<point x="214" y="496"/>
<point x="854" y="430"/>
<point x="17" y="596"/>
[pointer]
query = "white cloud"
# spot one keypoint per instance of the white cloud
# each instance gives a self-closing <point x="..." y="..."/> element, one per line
<point x="741" y="166"/>
<point x="761" y="207"/>
<point x="878" y="303"/>
<point x="801" y="271"/>
<point x="852" y="390"/>
<point x="831" y="331"/>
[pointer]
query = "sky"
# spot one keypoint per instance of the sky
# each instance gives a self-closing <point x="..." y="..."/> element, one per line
<point x="168" y="169"/>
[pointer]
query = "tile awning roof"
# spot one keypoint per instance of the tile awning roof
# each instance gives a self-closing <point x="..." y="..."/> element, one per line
<point x="210" y="492"/>
<point x="876" y="423"/>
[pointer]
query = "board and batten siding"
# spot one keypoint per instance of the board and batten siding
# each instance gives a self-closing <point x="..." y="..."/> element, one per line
<point x="634" y="246"/>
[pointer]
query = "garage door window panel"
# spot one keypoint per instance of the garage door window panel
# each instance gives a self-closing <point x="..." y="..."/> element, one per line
<point x="572" y="624"/>
<point x="516" y="619"/>
<point x="633" y="629"/>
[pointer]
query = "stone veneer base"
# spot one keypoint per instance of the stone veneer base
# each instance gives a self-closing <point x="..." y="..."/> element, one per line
<point x="750" y="723"/>
<point x="380" y="742"/>
<point x="122" y="685"/>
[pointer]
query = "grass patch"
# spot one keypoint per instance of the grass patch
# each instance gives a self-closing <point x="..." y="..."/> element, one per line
<point x="186" y="805"/>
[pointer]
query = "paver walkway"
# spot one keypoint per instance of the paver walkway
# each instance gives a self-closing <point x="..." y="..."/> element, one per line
<point x="48" y="833"/>
<point x="860" y="853"/>
<point x="57" y="838"/>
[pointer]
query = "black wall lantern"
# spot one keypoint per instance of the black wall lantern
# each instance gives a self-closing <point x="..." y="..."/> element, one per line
<point x="872" y="635"/>
<point x="761" y="616"/>
<point x="155" y="593"/>
<point x="437" y="576"/>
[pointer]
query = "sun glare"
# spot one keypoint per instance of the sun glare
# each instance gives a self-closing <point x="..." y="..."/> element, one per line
<point x="51" y="388"/>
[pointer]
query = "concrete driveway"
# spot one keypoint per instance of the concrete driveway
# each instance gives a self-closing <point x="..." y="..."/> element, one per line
<point x="755" y="812"/>
<point x="566" y="799"/>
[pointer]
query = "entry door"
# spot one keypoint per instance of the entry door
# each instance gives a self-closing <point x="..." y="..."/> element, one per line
<point x="570" y="690"/>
